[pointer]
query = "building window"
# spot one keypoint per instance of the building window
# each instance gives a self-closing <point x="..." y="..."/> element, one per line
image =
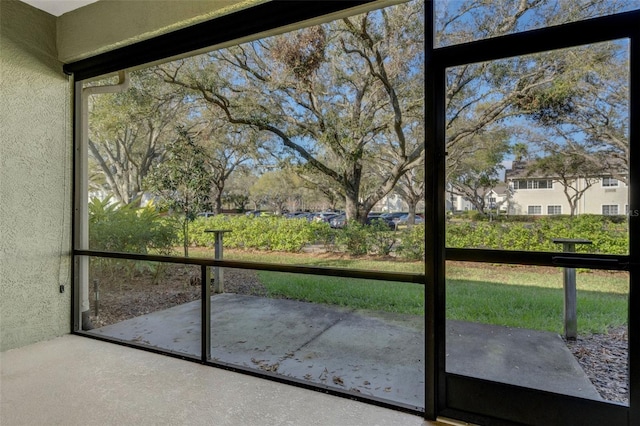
<point x="609" y="182"/>
<point x="534" y="210"/>
<point x="533" y="184"/>
<point x="610" y="209"/>
<point x="554" y="210"/>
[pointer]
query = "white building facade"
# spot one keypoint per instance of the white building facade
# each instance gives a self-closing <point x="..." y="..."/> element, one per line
<point x="543" y="195"/>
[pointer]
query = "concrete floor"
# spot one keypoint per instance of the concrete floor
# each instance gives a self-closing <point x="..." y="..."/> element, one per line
<point x="75" y="380"/>
<point x="379" y="355"/>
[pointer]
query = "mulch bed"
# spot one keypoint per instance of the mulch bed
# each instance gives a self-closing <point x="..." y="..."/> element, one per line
<point x="603" y="357"/>
<point x="125" y="296"/>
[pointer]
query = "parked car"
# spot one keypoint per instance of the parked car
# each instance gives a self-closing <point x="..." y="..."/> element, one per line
<point x="324" y="216"/>
<point x="377" y="217"/>
<point x="392" y="218"/>
<point x="404" y="220"/>
<point x="206" y="215"/>
<point x="393" y="215"/>
<point x="338" y="221"/>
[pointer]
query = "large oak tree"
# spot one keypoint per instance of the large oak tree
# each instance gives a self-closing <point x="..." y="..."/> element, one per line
<point x="338" y="97"/>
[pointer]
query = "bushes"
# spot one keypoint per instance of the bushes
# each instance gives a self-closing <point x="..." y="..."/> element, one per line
<point x="259" y="233"/>
<point x="129" y="229"/>
<point x="608" y="237"/>
<point x="292" y="235"/>
<point x="411" y="245"/>
<point x="134" y="230"/>
<point x="353" y="239"/>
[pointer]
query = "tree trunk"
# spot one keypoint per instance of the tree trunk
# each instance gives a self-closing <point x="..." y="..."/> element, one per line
<point x="411" y="219"/>
<point x="351" y="208"/>
<point x="218" y="203"/>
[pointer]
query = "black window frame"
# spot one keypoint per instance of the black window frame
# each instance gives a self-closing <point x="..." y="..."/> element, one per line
<point x="486" y="402"/>
<point x="447" y="395"/>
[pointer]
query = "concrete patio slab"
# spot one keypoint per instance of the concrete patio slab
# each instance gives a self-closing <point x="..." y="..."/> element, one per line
<point x="374" y="354"/>
<point x="535" y="359"/>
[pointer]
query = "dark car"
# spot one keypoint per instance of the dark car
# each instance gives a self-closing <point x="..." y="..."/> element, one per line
<point x="338" y="221"/>
<point x="373" y="218"/>
<point x="324" y="216"/>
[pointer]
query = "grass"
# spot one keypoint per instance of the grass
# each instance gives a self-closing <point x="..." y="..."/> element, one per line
<point x="384" y="296"/>
<point x="533" y="297"/>
<point x="525" y="297"/>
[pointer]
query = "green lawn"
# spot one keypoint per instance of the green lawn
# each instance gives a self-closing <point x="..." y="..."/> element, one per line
<point x="530" y="298"/>
<point x="353" y="293"/>
<point x="503" y="295"/>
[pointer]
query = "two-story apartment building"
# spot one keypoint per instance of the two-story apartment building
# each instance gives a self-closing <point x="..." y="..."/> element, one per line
<point x="533" y="193"/>
<point x="495" y="199"/>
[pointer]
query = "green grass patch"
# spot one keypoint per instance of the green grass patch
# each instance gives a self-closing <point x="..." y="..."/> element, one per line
<point x="405" y="298"/>
<point x="507" y="296"/>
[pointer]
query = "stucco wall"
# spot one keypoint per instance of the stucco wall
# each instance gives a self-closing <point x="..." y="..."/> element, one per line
<point x="591" y="201"/>
<point x="35" y="179"/>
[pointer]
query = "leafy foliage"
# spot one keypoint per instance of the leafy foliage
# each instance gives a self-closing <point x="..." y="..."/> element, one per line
<point x="411" y="245"/>
<point x="258" y="233"/>
<point x="608" y="237"/>
<point x="183" y="181"/>
<point x="130" y="229"/>
<point x="127" y="228"/>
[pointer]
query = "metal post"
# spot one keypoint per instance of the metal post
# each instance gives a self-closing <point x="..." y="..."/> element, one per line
<point x="570" y="293"/>
<point x="570" y="297"/>
<point x="218" y="274"/>
<point x="205" y="337"/>
<point x="96" y="295"/>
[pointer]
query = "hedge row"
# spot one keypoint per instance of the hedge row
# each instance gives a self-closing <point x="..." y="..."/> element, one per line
<point x="141" y="230"/>
<point x="274" y="233"/>
<point x="292" y="235"/>
<point x="259" y="233"/>
<point x="608" y="236"/>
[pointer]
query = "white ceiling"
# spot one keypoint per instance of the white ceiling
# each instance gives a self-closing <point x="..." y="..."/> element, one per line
<point x="58" y="7"/>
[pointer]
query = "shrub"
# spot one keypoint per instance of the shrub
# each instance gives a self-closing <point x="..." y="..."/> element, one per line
<point x="354" y="238"/>
<point x="381" y="239"/>
<point x="411" y="245"/>
<point x="259" y="233"/>
<point x="608" y="236"/>
<point x="129" y="229"/>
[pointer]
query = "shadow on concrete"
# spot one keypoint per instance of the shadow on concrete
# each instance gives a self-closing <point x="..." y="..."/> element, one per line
<point x="374" y="354"/>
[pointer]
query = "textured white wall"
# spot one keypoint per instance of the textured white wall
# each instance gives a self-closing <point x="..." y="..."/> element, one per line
<point x="35" y="179"/>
